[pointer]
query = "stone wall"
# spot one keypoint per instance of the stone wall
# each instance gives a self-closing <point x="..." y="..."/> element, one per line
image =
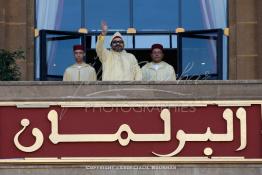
<point x="17" y="31"/>
<point x="245" y="22"/>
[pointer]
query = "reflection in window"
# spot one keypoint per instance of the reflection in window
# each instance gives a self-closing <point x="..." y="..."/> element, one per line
<point x="71" y="16"/>
<point x="155" y="14"/>
<point x="174" y="41"/>
<point x="58" y="14"/>
<point x="148" y="41"/>
<point x="199" y="57"/>
<point x="114" y="12"/>
<point x="204" y="14"/>
<point x="60" y="55"/>
<point x="143" y="14"/>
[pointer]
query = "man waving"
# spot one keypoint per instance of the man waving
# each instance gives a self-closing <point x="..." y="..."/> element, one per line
<point x="118" y="65"/>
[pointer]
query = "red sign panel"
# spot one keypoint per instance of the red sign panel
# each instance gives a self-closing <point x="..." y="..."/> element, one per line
<point x="207" y="131"/>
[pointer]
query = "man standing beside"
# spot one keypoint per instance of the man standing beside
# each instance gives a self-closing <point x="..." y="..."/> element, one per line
<point x="80" y="71"/>
<point x="118" y="65"/>
<point x="158" y="70"/>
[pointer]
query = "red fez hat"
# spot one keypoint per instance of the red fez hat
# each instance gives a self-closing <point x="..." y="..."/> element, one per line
<point x="78" y="47"/>
<point x="157" y="46"/>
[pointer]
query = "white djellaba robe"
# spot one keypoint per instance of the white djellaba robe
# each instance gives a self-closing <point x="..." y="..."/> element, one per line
<point x="80" y="72"/>
<point x="117" y="66"/>
<point x="158" y="72"/>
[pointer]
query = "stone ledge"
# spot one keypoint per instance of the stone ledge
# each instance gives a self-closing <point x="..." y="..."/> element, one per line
<point x="176" y="90"/>
<point x="178" y="82"/>
<point x="204" y="169"/>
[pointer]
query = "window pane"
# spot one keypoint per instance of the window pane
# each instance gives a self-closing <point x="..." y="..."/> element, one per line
<point x="148" y="41"/>
<point x="71" y="16"/>
<point x="60" y="55"/>
<point x="174" y="41"/>
<point x="225" y="56"/>
<point x="199" y="57"/>
<point x="114" y="12"/>
<point x="204" y="14"/>
<point x="58" y="15"/>
<point x="156" y="14"/>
